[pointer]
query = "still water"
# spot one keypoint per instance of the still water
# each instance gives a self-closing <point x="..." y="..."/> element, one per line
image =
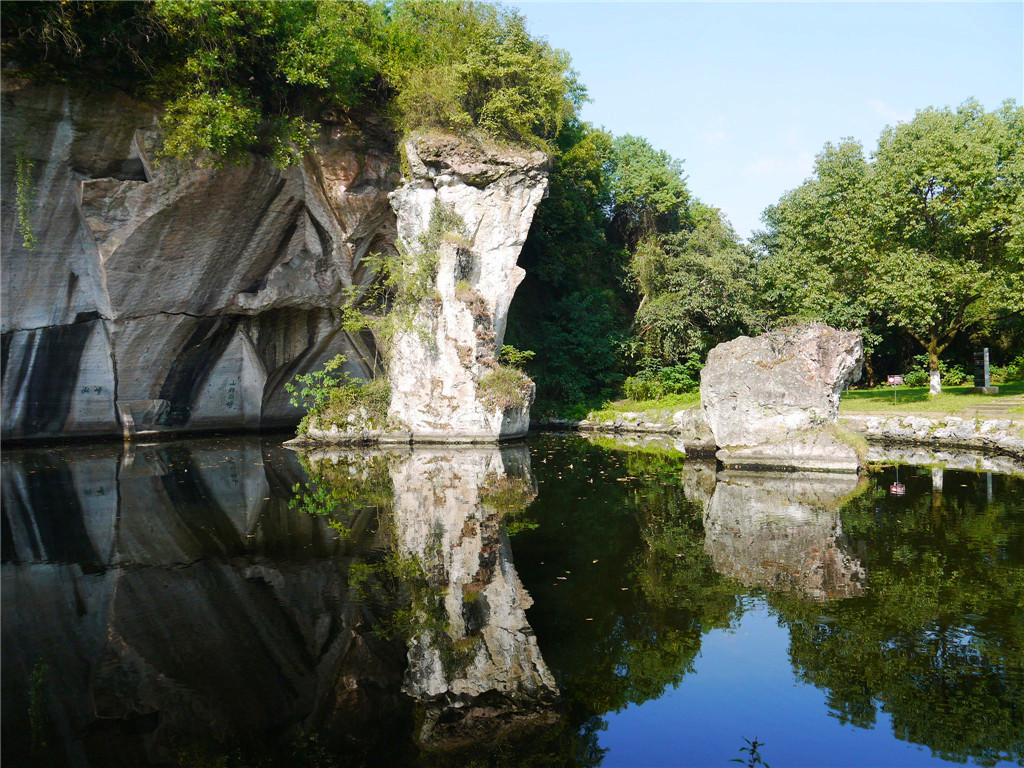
<point x="559" y="602"/>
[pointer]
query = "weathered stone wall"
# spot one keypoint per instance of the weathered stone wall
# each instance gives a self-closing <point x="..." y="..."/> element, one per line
<point x="168" y="296"/>
<point x="162" y="296"/>
<point x="1004" y="436"/>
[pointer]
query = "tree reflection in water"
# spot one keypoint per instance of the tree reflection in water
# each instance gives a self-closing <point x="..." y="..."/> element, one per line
<point x="224" y="602"/>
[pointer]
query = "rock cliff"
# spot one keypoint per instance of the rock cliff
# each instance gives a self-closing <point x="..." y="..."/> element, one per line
<point x="163" y="296"/>
<point x="439" y="368"/>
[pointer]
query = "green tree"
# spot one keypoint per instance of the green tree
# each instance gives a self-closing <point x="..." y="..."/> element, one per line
<point x="926" y="237"/>
<point x="259" y="77"/>
<point x="694" y="287"/>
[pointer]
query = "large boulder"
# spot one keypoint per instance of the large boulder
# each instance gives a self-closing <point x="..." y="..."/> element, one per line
<point x="765" y="389"/>
<point x="772" y="401"/>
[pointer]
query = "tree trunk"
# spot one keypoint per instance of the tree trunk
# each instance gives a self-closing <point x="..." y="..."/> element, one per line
<point x="934" y="376"/>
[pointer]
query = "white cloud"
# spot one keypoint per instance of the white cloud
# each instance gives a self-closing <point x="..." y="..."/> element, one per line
<point x="889" y="114"/>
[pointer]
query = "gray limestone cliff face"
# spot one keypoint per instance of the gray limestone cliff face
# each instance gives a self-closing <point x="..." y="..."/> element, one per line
<point x="169" y="296"/>
<point x="164" y="296"/>
<point x="436" y="367"/>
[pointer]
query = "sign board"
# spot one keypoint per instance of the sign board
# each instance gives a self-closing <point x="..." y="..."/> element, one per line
<point x="897" y="489"/>
<point x="982" y="377"/>
<point x="895" y="381"/>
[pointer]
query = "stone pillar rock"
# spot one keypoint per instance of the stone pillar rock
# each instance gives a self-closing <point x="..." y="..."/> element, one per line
<point x="436" y="367"/>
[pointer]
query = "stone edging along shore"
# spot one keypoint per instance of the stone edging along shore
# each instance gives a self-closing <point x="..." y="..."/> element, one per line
<point x="1001" y="436"/>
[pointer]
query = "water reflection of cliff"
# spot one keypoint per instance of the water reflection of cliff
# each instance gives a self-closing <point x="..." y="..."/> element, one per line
<point x="782" y="533"/>
<point x="167" y="600"/>
<point x="473" y="660"/>
<point x="474" y="666"/>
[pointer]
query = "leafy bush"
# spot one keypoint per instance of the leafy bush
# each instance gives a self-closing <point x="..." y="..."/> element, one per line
<point x="514" y="357"/>
<point x="504" y="388"/>
<point x="916" y="378"/>
<point x="952" y="375"/>
<point x="1012" y="371"/>
<point x="643" y="388"/>
<point x="330" y="395"/>
<point x="654" y="381"/>
<point x="260" y="76"/>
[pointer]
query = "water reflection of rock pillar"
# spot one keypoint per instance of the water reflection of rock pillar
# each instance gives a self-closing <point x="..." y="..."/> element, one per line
<point x="476" y="660"/>
<point x="782" y="532"/>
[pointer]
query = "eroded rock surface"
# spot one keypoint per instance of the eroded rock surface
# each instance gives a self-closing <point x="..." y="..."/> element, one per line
<point x="760" y="394"/>
<point x="481" y="672"/>
<point x="436" y="367"/>
<point x="761" y="390"/>
<point x="163" y="296"/>
<point x="1004" y="436"/>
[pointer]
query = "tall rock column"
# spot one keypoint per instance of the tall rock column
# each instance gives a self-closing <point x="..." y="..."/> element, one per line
<point x="446" y="384"/>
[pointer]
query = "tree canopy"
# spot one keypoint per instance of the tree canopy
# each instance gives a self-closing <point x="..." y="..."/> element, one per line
<point x="924" y="237"/>
<point x="241" y="77"/>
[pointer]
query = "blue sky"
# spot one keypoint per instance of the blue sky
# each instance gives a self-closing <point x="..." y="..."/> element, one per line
<point x="747" y="93"/>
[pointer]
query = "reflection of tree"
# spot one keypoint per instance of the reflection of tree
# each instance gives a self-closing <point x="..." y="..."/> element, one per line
<point x="346" y="489"/>
<point x="938" y="642"/>
<point x="621" y="629"/>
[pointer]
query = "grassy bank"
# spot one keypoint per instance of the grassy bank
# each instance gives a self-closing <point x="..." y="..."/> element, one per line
<point x="917" y="400"/>
<point x="668" y="404"/>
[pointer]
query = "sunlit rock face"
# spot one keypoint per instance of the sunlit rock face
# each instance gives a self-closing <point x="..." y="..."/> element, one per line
<point x="167" y="597"/>
<point x="436" y="367"/>
<point x="760" y="394"/>
<point x="474" y="662"/>
<point x="163" y="296"/>
<point x="782" y="532"/>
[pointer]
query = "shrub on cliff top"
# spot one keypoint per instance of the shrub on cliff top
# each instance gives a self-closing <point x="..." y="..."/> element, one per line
<point x="240" y="77"/>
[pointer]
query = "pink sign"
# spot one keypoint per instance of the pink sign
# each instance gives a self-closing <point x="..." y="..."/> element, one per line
<point x="895" y="381"/>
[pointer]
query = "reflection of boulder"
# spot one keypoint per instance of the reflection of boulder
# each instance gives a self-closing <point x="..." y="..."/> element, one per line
<point x="473" y="658"/>
<point x="782" y="532"/>
<point x="169" y="598"/>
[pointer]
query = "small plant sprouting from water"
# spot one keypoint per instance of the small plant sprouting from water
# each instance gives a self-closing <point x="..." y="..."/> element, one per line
<point x="753" y="758"/>
<point x="25" y="195"/>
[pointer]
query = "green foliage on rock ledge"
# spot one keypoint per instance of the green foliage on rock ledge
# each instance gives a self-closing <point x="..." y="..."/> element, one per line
<point x="331" y="395"/>
<point x="241" y="77"/>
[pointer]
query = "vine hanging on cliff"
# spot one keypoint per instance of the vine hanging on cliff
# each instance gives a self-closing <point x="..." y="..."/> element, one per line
<point x="25" y="194"/>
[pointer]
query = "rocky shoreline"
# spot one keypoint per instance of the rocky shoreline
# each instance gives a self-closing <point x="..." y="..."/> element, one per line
<point x="688" y="431"/>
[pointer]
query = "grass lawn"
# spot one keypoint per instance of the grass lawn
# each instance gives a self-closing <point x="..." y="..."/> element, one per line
<point x="916" y="399"/>
<point x="911" y="400"/>
<point x="671" y="403"/>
